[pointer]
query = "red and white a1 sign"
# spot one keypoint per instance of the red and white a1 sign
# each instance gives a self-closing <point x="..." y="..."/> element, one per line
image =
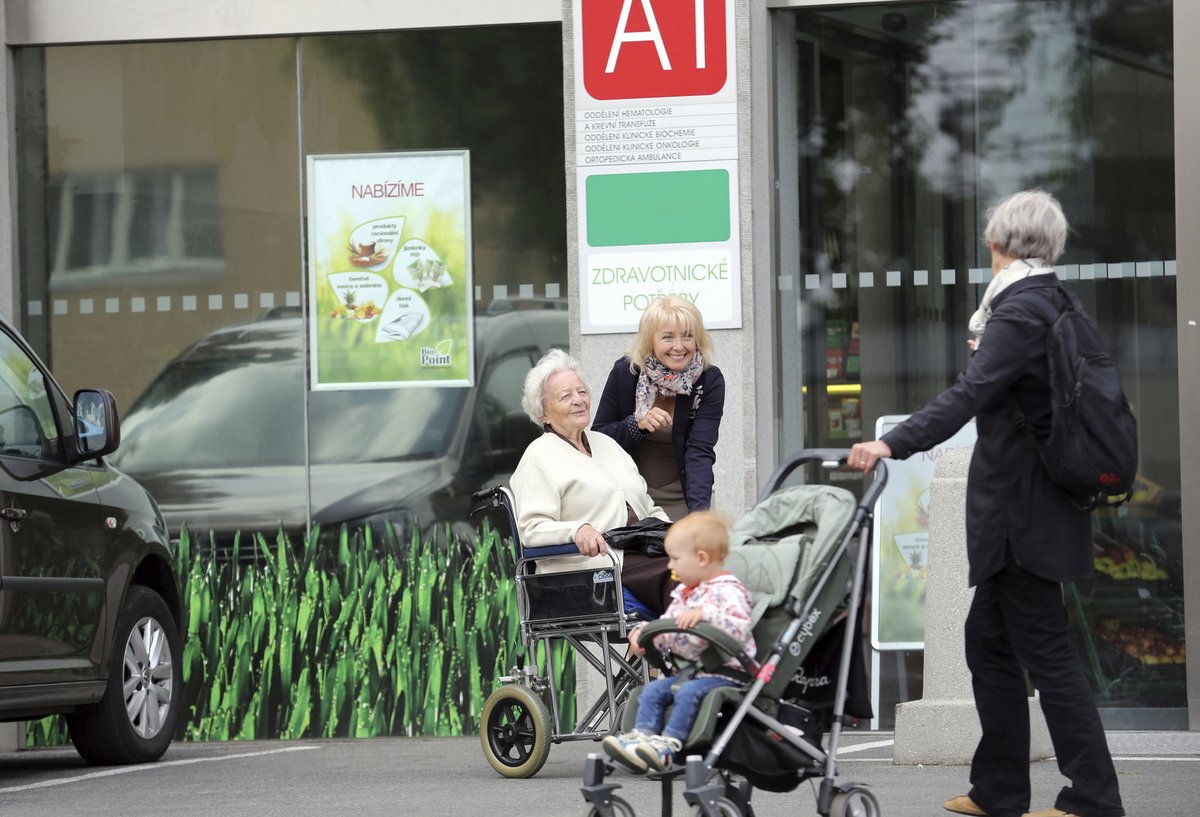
<point x="633" y="49"/>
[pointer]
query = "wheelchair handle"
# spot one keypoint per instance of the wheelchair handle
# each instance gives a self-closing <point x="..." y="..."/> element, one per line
<point x="492" y="492"/>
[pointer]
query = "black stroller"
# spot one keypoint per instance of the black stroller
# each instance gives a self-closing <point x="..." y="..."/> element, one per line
<point x="802" y="551"/>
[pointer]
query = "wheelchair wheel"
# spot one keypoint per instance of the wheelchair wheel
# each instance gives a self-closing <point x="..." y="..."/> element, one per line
<point x="854" y="802"/>
<point x="620" y="808"/>
<point x="515" y="731"/>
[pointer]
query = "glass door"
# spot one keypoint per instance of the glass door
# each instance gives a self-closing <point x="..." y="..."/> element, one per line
<point x="900" y="124"/>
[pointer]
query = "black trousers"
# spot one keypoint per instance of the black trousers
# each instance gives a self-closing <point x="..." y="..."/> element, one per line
<point x="1018" y="620"/>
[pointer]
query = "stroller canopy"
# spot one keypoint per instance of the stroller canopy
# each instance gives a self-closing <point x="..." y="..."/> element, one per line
<point x="782" y="545"/>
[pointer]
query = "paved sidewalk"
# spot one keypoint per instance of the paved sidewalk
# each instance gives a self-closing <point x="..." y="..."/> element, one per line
<point x="448" y="777"/>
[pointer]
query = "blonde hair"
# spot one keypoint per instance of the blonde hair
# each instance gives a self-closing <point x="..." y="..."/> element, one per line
<point x="661" y="312"/>
<point x="533" y="397"/>
<point x="708" y="532"/>
<point x="1028" y="224"/>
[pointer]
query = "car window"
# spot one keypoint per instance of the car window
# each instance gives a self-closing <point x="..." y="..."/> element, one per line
<point x="244" y="407"/>
<point x="217" y="414"/>
<point x="501" y="393"/>
<point x="27" y="427"/>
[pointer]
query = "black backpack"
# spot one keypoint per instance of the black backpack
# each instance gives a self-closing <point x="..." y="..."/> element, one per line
<point x="1092" y="450"/>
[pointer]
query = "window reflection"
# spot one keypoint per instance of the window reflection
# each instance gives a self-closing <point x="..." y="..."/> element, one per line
<point x="910" y="120"/>
<point x="146" y="221"/>
<point x="161" y="217"/>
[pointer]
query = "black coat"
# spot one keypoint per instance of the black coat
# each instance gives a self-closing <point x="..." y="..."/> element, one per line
<point x="694" y="428"/>
<point x="1048" y="534"/>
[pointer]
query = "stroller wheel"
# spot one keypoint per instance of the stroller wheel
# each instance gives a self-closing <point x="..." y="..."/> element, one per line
<point x="854" y="802"/>
<point x="620" y="808"/>
<point x="725" y="807"/>
<point x="515" y="731"/>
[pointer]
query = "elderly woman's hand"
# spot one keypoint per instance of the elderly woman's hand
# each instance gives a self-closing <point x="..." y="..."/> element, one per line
<point x="589" y="541"/>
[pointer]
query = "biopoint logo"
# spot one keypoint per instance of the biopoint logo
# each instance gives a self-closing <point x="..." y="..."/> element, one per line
<point x="438" y="356"/>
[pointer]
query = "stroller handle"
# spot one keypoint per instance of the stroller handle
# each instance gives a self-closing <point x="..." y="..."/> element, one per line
<point x="828" y="458"/>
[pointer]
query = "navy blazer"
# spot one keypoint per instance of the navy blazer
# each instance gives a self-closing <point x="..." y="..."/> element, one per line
<point x="693" y="430"/>
<point x="1048" y="535"/>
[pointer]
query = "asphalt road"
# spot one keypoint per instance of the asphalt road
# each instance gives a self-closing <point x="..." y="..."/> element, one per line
<point x="432" y="777"/>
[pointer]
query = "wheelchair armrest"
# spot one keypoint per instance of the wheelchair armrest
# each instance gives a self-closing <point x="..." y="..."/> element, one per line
<point x="717" y="639"/>
<point x="542" y="551"/>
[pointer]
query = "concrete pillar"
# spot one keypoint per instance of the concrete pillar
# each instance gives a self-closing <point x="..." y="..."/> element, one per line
<point x="8" y="193"/>
<point x="943" y="727"/>
<point x="10" y="737"/>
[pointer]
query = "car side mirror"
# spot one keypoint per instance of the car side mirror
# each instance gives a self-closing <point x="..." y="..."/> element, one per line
<point x="97" y="427"/>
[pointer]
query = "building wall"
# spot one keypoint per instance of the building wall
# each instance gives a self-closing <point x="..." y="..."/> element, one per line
<point x="1187" y="204"/>
<point x="73" y="21"/>
<point x="737" y="474"/>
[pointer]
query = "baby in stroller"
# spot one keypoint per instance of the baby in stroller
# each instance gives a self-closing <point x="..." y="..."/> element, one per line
<point x="696" y="547"/>
<point x="802" y="552"/>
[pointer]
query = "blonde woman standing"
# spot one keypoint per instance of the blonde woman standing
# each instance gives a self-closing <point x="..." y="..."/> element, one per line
<point x="663" y="403"/>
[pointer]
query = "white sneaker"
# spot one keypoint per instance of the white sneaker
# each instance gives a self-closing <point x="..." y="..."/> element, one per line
<point x="623" y="749"/>
<point x="657" y="751"/>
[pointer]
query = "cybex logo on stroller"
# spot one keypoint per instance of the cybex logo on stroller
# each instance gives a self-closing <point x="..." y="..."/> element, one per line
<point x="806" y="631"/>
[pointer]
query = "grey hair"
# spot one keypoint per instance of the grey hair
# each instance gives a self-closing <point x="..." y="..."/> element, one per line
<point x="1028" y="224"/>
<point x="534" y="396"/>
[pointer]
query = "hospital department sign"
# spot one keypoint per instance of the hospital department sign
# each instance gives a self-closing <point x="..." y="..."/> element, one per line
<point x="656" y="159"/>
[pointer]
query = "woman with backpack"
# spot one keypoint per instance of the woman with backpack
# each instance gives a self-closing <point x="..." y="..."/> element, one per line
<point x="1025" y="534"/>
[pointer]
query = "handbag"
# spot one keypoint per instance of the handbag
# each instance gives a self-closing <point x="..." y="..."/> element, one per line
<point x="646" y="536"/>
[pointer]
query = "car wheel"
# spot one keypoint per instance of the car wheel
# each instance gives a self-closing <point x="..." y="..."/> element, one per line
<point x="135" y="720"/>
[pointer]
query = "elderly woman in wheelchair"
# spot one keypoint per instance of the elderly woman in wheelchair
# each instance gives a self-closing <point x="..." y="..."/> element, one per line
<point x="573" y="485"/>
<point x="570" y="488"/>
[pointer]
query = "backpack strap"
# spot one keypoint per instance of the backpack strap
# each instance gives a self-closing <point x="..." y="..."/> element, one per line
<point x="1049" y="306"/>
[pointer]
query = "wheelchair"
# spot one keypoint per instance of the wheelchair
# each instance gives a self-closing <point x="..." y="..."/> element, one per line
<point x="591" y="612"/>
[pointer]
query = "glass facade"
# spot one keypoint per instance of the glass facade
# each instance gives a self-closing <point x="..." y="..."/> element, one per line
<point x="899" y="125"/>
<point x="162" y="239"/>
<point x="162" y="256"/>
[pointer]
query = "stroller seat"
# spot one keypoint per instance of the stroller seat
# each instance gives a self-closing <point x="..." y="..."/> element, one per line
<point x="778" y="550"/>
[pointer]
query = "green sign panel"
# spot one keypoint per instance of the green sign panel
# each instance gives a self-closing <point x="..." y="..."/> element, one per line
<point x="674" y="207"/>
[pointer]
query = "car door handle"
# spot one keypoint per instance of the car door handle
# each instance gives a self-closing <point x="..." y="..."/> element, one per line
<point x="13" y="514"/>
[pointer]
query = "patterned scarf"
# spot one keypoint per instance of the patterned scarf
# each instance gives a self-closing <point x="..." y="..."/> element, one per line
<point x="656" y="379"/>
<point x="1001" y="281"/>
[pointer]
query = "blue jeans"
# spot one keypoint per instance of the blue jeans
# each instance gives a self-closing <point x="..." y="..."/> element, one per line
<point x="657" y="696"/>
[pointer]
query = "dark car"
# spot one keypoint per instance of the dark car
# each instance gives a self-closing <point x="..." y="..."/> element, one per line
<point x="219" y="436"/>
<point x="89" y="605"/>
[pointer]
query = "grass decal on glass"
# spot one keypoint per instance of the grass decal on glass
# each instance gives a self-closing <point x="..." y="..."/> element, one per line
<point x="365" y="639"/>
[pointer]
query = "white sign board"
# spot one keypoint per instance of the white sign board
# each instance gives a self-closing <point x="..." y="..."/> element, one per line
<point x="899" y="569"/>
<point x="656" y="159"/>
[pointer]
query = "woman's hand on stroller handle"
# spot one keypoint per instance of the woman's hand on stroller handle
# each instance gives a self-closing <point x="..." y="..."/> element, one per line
<point x="863" y="456"/>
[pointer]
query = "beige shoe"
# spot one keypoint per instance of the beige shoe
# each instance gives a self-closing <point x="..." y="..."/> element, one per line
<point x="963" y="804"/>
<point x="1049" y="812"/>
